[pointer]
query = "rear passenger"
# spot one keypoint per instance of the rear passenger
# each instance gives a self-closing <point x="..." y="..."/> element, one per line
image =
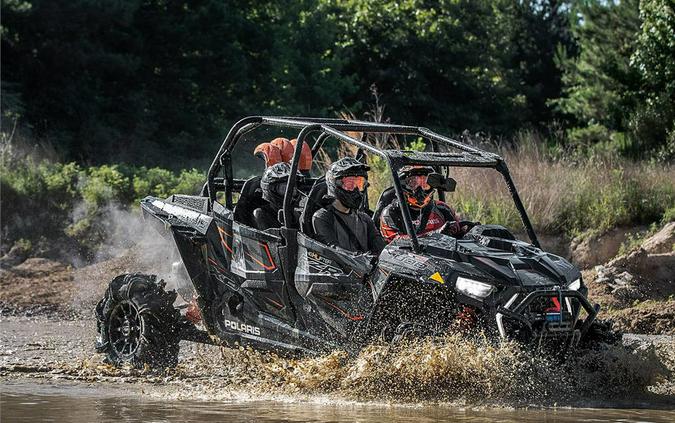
<point x="273" y="185"/>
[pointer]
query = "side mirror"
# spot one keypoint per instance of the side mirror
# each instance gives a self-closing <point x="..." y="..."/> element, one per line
<point x="440" y="182"/>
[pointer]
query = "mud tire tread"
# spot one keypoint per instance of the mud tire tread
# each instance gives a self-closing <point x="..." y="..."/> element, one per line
<point x="160" y="333"/>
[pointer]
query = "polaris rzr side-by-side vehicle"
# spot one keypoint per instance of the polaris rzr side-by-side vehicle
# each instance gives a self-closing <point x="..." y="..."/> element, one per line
<point x="282" y="290"/>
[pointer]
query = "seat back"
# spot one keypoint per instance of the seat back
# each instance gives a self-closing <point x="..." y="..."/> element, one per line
<point x="386" y="198"/>
<point x="315" y="201"/>
<point x="250" y="199"/>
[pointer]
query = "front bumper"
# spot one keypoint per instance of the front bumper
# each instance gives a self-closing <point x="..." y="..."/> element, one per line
<point x="565" y="322"/>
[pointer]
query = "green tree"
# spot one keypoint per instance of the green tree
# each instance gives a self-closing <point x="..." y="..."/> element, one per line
<point x="653" y="123"/>
<point x="302" y="69"/>
<point x="599" y="83"/>
<point x="434" y="62"/>
<point x="145" y="81"/>
<point x="620" y="90"/>
<point x="536" y="30"/>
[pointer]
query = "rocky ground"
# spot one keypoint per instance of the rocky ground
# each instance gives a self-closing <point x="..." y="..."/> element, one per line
<point x="637" y="289"/>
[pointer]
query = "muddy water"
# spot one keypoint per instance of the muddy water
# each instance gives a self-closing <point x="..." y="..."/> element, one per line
<point x="49" y="372"/>
<point x="79" y="403"/>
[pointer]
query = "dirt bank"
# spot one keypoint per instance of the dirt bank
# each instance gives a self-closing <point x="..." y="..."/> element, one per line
<point x="42" y="286"/>
<point x="637" y="289"/>
<point x="39" y="285"/>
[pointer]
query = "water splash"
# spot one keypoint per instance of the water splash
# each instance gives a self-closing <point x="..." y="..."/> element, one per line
<point x="455" y="370"/>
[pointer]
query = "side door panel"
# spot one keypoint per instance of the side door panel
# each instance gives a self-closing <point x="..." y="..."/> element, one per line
<point x="256" y="259"/>
<point x="248" y="259"/>
<point x="334" y="285"/>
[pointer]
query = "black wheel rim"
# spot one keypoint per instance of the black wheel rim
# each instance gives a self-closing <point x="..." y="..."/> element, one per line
<point x="125" y="329"/>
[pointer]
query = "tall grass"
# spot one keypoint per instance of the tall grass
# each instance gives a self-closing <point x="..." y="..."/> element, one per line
<point x="567" y="195"/>
<point x="563" y="193"/>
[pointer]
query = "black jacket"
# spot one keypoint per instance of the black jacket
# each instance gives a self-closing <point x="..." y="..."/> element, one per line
<point x="266" y="217"/>
<point x="354" y="231"/>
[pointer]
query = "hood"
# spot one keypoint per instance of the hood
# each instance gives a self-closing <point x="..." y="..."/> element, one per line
<point x="500" y="261"/>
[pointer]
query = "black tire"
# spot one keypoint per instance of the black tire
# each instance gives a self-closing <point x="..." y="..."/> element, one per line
<point x="601" y="333"/>
<point x="137" y="323"/>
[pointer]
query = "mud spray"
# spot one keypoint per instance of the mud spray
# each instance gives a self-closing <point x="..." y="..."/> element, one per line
<point x="452" y="370"/>
<point x="130" y="245"/>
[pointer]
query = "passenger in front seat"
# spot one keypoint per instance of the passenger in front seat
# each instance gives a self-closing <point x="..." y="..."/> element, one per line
<point x="273" y="186"/>
<point x="342" y="223"/>
<point x="427" y="215"/>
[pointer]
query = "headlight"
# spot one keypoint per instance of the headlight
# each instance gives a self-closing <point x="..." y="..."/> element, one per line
<point x="575" y="285"/>
<point x="472" y="288"/>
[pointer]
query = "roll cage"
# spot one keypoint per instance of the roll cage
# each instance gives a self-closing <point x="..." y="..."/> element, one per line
<point x="465" y="156"/>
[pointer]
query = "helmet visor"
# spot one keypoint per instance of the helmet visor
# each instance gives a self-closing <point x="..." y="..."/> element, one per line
<point x="414" y="181"/>
<point x="350" y="183"/>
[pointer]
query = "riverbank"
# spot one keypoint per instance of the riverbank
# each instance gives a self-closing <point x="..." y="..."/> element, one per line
<point x="48" y="335"/>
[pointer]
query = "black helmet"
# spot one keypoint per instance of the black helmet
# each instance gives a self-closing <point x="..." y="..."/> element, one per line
<point x="273" y="183"/>
<point x="344" y="188"/>
<point x="417" y="191"/>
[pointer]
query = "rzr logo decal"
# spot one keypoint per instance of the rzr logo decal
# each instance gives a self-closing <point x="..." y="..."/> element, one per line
<point x="316" y="256"/>
<point x="321" y="264"/>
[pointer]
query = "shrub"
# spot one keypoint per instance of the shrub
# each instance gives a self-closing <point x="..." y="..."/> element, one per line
<point x="669" y="215"/>
<point x="57" y="204"/>
<point x="60" y="207"/>
<point x="155" y="181"/>
<point x="105" y="184"/>
<point x="190" y="181"/>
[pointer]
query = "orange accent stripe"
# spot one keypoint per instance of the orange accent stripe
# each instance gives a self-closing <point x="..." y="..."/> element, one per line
<point x="343" y="312"/>
<point x="222" y="232"/>
<point x="269" y="257"/>
<point x="213" y="262"/>
<point x="274" y="302"/>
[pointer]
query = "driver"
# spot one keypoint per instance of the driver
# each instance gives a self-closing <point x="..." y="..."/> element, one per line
<point x="426" y="213"/>
<point x="341" y="223"/>
<point x="273" y="186"/>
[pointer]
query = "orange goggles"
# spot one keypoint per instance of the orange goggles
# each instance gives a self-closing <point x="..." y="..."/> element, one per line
<point x="412" y="182"/>
<point x="350" y="183"/>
